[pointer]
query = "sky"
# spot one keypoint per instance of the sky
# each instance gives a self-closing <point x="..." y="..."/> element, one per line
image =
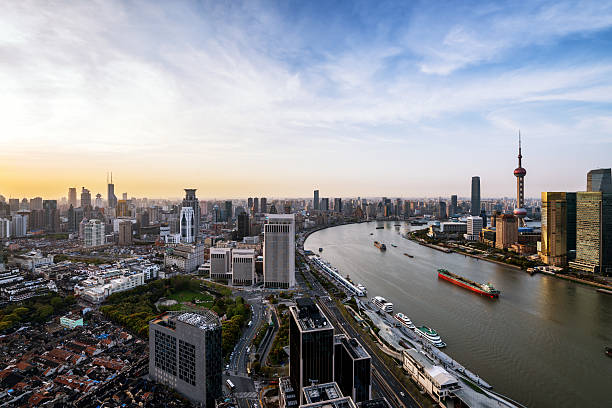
<point x="238" y="99"/>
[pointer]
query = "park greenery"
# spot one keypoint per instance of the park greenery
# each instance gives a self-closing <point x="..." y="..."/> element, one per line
<point x="34" y="310"/>
<point x="277" y="355"/>
<point x="134" y="309"/>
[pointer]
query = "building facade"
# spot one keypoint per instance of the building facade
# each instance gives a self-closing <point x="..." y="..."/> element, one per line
<point x="243" y="267"/>
<point x="279" y="251"/>
<point x="352" y="368"/>
<point x="553" y="249"/>
<point x="192" y="201"/>
<point x="125" y="233"/>
<point x="311" y="344"/>
<point x="600" y="180"/>
<point x="187" y="225"/>
<point x="593" y="233"/>
<point x="475" y="199"/>
<point x="506" y="227"/>
<point x="221" y="264"/>
<point x="185" y="354"/>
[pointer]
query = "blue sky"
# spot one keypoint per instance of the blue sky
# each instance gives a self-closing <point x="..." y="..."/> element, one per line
<point x="276" y="98"/>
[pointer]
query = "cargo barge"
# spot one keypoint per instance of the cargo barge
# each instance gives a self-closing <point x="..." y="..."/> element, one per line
<point x="485" y="289"/>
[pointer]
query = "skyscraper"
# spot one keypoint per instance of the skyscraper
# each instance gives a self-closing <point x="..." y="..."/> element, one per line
<point x="72" y="197"/>
<point x="228" y="210"/>
<point x="185" y="354"/>
<point x="338" y="205"/>
<point x="243" y="226"/>
<point x="453" y="208"/>
<point x="441" y="210"/>
<point x="98" y="203"/>
<point x="475" y="210"/>
<point x="111" y="197"/>
<point x="324" y="205"/>
<point x="506" y="231"/>
<point x="250" y="205"/>
<point x="51" y="222"/>
<point x="94" y="233"/>
<point x="263" y="204"/>
<point x="352" y="368"/>
<point x="85" y="198"/>
<point x="593" y="232"/>
<point x="279" y="251"/>
<point x="192" y="201"/>
<point x="315" y="201"/>
<point x="187" y="225"/>
<point x="123" y="209"/>
<point x="553" y="249"/>
<point x="125" y="232"/>
<point x="520" y="173"/>
<point x="599" y="180"/>
<point x="311" y="345"/>
<point x="256" y="205"/>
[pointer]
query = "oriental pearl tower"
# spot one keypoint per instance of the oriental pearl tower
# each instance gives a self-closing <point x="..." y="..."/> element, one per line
<point x="520" y="173"/>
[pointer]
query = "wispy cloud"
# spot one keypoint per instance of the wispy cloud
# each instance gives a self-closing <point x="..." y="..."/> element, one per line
<point x="200" y="86"/>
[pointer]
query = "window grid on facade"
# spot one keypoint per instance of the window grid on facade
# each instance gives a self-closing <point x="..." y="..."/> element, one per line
<point x="187" y="370"/>
<point x="165" y="352"/>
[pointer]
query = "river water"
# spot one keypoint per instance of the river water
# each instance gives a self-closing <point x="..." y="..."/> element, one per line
<point x="541" y="343"/>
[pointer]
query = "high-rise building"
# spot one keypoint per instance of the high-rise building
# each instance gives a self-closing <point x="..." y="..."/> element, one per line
<point x="453" y="207"/>
<point x="187" y="225"/>
<point x="51" y="221"/>
<point x="474" y="226"/>
<point x="228" y="210"/>
<point x="256" y="205"/>
<point x="263" y="204"/>
<point x="338" y="205"/>
<point x="520" y="212"/>
<point x="311" y="345"/>
<point x="250" y="204"/>
<point x="5" y="228"/>
<point x="192" y="201"/>
<point x="124" y="196"/>
<point x="570" y="199"/>
<point x="125" y="233"/>
<point x="185" y="354"/>
<point x="85" y="198"/>
<point x="75" y="216"/>
<point x="506" y="231"/>
<point x="600" y="180"/>
<point x="279" y="251"/>
<point x="72" y="197"/>
<point x="243" y="267"/>
<point x="99" y="203"/>
<point x="553" y="249"/>
<point x="352" y="368"/>
<point x="123" y="209"/>
<point x="111" y="198"/>
<point x="221" y="264"/>
<point x="441" y="210"/>
<point x="593" y="232"/>
<point x="94" y="233"/>
<point x="14" y="204"/>
<point x="475" y="210"/>
<point x="243" y="226"/>
<point x="36" y="203"/>
<point x="324" y="205"/>
<point x="19" y="225"/>
<point x="25" y="204"/>
<point x="315" y="201"/>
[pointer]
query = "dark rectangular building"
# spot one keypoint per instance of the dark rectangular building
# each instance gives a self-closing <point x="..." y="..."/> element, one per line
<point x="352" y="368"/>
<point x="311" y="344"/>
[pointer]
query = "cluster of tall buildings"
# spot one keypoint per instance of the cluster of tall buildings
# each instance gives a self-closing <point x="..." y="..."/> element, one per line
<point x="577" y="226"/>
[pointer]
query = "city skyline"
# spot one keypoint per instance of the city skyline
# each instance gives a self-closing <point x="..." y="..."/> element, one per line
<point x="345" y="97"/>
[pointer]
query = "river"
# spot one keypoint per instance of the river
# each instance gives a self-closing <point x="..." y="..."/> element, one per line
<point x="541" y="343"/>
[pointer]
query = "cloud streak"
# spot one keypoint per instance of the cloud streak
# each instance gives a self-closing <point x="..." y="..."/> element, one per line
<point x="219" y="88"/>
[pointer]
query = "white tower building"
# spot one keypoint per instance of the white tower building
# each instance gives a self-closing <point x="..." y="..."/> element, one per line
<point x="188" y="225"/>
<point x="279" y="251"/>
<point x="93" y="232"/>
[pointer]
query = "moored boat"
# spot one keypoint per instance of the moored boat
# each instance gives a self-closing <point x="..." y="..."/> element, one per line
<point x="430" y="335"/>
<point x="382" y="303"/>
<point x="485" y="289"/>
<point x="404" y="320"/>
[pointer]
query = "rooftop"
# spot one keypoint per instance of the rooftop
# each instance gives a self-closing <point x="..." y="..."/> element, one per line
<point x="322" y="392"/>
<point x="308" y="314"/>
<point x="352" y="345"/>
<point x="202" y="319"/>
